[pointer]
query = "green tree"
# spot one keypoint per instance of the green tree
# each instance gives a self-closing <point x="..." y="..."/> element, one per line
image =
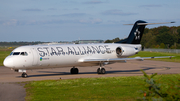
<point x="113" y="40"/>
<point x="116" y="39"/>
<point x="163" y="29"/>
<point x="162" y="45"/>
<point x="178" y="31"/>
<point x="166" y="38"/>
<point x="148" y="40"/>
<point x="108" y="41"/>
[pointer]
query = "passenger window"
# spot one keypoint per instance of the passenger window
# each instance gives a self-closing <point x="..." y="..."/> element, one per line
<point x="16" y="53"/>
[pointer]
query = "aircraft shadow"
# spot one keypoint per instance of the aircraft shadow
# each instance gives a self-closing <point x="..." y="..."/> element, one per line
<point x="129" y="71"/>
<point x="52" y="73"/>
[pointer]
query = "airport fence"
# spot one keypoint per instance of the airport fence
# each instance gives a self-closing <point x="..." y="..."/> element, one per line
<point x="177" y="51"/>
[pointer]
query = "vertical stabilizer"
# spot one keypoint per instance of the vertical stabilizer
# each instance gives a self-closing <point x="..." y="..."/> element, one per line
<point x="135" y="34"/>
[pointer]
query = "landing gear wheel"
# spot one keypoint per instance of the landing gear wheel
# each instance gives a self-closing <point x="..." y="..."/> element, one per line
<point x="74" y="71"/>
<point x="101" y="71"/>
<point x="24" y="75"/>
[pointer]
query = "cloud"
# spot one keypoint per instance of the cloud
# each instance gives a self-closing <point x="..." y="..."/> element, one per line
<point x="117" y="12"/>
<point x="150" y="5"/>
<point x="70" y="15"/>
<point x="74" y="14"/>
<point x="32" y="9"/>
<point x="91" y="21"/>
<point x="96" y="21"/>
<point x="76" y="9"/>
<point x="11" y="22"/>
<point x="15" y="22"/>
<point x="114" y="22"/>
<point x="81" y="21"/>
<point x="52" y="9"/>
<point x="93" y="2"/>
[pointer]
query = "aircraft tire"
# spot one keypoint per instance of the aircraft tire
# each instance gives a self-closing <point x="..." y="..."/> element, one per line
<point x="103" y="71"/>
<point x="99" y="71"/>
<point x="24" y="75"/>
<point x="74" y="71"/>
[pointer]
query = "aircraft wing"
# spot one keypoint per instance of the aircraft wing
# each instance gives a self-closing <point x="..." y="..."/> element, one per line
<point x="121" y="59"/>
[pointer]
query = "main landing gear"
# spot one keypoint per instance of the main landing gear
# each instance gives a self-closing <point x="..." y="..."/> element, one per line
<point x="24" y="75"/>
<point x="74" y="70"/>
<point x="101" y="70"/>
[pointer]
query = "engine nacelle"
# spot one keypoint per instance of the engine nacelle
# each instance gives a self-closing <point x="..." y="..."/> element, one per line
<point x="125" y="51"/>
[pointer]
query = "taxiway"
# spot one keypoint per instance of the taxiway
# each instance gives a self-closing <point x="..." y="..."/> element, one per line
<point x="131" y="68"/>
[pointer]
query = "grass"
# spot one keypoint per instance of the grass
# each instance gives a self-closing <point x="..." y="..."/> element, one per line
<point x="101" y="89"/>
<point x="4" y="52"/>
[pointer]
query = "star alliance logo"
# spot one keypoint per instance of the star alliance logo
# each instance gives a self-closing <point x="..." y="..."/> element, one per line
<point x="137" y="34"/>
<point x="43" y="58"/>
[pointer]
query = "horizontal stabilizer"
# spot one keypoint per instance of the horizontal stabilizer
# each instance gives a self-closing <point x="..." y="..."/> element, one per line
<point x="151" y="23"/>
<point x="154" y="23"/>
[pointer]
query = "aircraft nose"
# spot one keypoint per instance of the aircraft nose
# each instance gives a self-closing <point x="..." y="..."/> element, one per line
<point x="8" y="62"/>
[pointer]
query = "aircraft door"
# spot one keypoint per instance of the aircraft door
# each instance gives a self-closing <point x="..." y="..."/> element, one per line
<point x="35" y="57"/>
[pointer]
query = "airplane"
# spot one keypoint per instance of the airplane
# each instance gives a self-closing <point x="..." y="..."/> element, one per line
<point x="78" y="55"/>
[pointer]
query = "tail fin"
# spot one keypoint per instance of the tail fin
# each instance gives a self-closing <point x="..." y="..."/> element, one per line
<point x="135" y="34"/>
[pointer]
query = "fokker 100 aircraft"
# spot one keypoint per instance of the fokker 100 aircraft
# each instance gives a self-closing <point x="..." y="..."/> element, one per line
<point x="78" y="55"/>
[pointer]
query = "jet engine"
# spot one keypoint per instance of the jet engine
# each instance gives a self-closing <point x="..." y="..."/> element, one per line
<point x="125" y="51"/>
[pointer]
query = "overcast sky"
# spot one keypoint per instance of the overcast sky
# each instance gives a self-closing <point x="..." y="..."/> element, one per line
<point x="69" y="20"/>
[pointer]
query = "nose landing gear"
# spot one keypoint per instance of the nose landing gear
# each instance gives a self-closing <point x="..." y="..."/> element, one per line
<point x="24" y="75"/>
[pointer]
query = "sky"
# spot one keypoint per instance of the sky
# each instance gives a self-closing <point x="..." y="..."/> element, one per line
<point x="70" y="20"/>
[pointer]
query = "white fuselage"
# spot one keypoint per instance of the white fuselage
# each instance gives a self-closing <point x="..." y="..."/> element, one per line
<point x="67" y="55"/>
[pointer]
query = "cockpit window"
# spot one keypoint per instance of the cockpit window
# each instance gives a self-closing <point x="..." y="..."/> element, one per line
<point x="24" y="53"/>
<point x="16" y="53"/>
<point x="11" y="53"/>
<point x="19" y="53"/>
